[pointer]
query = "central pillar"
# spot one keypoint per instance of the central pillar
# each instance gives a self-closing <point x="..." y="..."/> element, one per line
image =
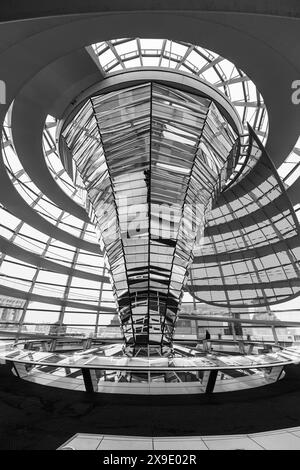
<point x="150" y="158"/>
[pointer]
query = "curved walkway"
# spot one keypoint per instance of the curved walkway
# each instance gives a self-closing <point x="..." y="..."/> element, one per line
<point x="36" y="417"/>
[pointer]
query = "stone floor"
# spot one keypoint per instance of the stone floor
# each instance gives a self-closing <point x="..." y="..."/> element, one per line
<point x="284" y="439"/>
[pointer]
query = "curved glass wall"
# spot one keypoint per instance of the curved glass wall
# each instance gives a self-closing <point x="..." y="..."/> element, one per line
<point x="33" y="253"/>
<point x="250" y="254"/>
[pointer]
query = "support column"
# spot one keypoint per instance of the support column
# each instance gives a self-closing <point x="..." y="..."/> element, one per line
<point x="90" y="380"/>
<point x="275" y="335"/>
<point x="209" y="380"/>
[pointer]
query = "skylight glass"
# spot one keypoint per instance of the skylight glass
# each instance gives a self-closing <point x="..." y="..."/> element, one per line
<point x="120" y="54"/>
